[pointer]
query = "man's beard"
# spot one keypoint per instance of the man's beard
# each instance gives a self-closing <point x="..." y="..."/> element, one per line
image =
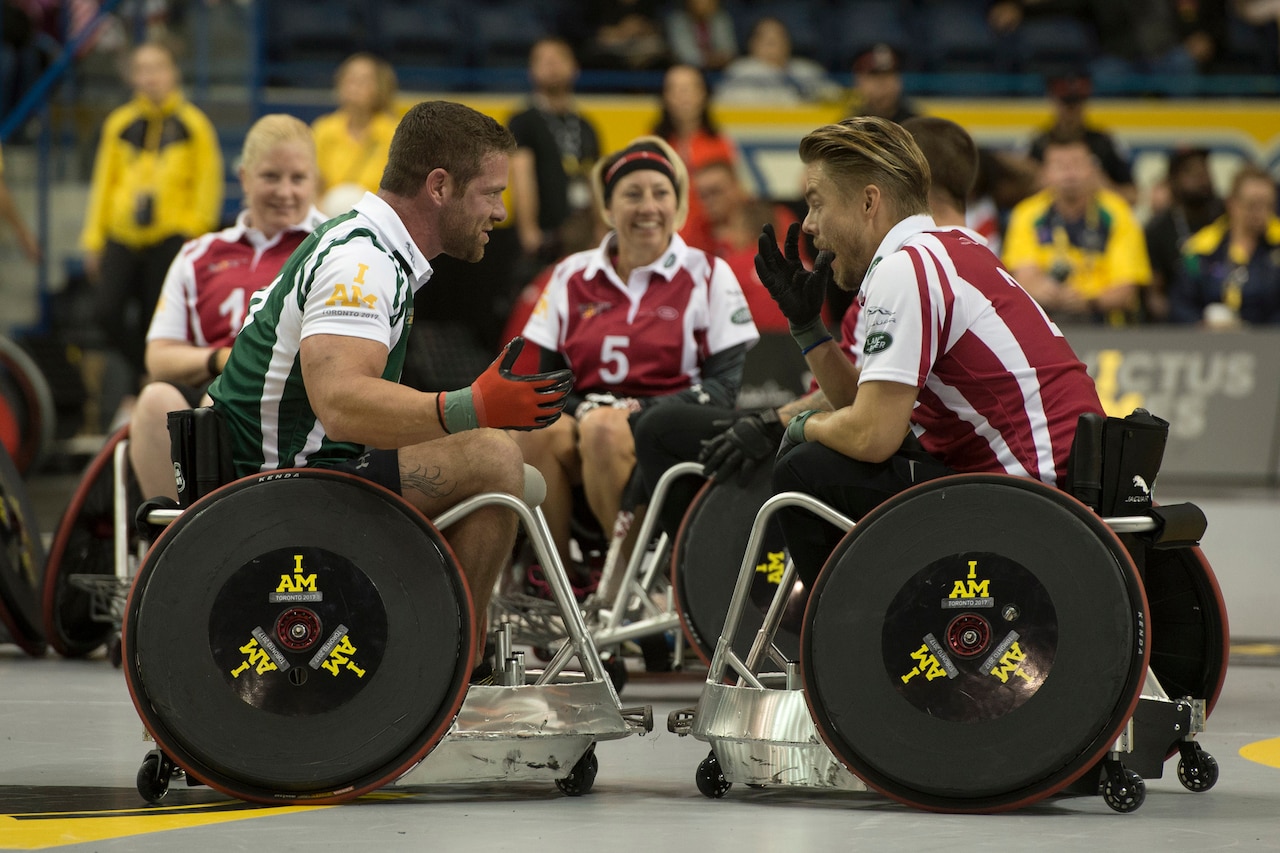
<point x="457" y="240"/>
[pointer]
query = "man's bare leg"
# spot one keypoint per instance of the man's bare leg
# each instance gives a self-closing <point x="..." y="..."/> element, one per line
<point x="439" y="474"/>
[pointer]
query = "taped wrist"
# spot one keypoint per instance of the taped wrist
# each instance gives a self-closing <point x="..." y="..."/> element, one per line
<point x="456" y="410"/>
<point x="795" y="429"/>
<point x="810" y="334"/>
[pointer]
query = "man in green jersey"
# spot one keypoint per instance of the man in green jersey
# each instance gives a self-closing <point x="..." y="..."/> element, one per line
<point x="313" y="378"/>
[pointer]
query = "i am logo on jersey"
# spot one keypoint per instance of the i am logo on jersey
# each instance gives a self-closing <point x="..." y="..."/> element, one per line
<point x="350" y="296"/>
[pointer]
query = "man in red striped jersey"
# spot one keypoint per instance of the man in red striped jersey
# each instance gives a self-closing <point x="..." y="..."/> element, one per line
<point x="961" y="370"/>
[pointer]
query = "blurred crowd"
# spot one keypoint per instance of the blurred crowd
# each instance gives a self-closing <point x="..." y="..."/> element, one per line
<point x="1059" y="210"/>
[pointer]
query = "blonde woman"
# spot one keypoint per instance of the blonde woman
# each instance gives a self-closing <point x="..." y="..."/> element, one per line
<point x="206" y="292"/>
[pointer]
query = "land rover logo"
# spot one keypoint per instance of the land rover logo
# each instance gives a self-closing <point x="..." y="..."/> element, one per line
<point x="877" y="342"/>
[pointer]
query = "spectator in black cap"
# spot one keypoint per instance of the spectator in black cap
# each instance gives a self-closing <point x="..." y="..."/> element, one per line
<point x="1070" y="92"/>
<point x="877" y="85"/>
<point x="1193" y="204"/>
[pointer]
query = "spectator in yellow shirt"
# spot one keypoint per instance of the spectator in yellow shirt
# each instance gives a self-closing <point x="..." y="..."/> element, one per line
<point x="1074" y="246"/>
<point x="352" y="142"/>
<point x="157" y="182"/>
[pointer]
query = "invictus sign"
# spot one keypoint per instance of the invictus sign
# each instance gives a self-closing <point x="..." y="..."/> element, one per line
<point x="1220" y="393"/>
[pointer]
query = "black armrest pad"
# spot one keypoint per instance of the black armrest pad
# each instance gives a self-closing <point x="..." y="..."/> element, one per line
<point x="1181" y="526"/>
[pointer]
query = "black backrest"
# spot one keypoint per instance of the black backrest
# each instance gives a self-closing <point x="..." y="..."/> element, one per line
<point x="1114" y="462"/>
<point x="201" y="452"/>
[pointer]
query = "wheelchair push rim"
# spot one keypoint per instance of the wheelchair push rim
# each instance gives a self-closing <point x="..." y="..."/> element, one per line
<point x="83" y="544"/>
<point x="298" y="636"/>
<point x="707" y="556"/>
<point x="975" y="644"/>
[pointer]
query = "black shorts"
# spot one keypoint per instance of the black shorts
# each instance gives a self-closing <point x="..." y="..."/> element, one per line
<point x="378" y="466"/>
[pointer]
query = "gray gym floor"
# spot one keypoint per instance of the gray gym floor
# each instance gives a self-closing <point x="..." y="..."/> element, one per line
<point x="71" y="743"/>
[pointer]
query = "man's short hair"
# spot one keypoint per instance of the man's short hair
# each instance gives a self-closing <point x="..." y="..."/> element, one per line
<point x="871" y="150"/>
<point x="951" y="154"/>
<point x="1059" y="138"/>
<point x="442" y="135"/>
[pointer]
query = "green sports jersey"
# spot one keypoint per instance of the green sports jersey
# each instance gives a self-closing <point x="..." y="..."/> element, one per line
<point x="356" y="275"/>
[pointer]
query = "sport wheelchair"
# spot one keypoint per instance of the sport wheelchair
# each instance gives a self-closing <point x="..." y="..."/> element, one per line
<point x="306" y="635"/>
<point x="93" y="557"/>
<point x="980" y="642"/>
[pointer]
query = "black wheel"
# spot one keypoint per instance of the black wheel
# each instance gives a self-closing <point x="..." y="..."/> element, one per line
<point x="1189" y="633"/>
<point x="616" y="668"/>
<point x="582" y="777"/>
<point x="74" y="611"/>
<point x="1198" y="772"/>
<point x="707" y="555"/>
<point x="971" y="611"/>
<point x="274" y="638"/>
<point x="22" y="562"/>
<point x="153" y="777"/>
<point x="115" y="654"/>
<point x="27" y="414"/>
<point x="710" y="778"/>
<point x="1124" y="791"/>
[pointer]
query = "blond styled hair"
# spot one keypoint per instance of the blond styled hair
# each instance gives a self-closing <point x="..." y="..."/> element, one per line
<point x="871" y="150"/>
<point x="271" y="130"/>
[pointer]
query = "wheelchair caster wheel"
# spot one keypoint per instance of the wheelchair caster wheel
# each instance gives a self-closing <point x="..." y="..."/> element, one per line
<point x="582" y="777"/>
<point x="710" y="778"/>
<point x="153" y="776"/>
<point x="115" y="653"/>
<point x="1124" y="791"/>
<point x="1198" y="771"/>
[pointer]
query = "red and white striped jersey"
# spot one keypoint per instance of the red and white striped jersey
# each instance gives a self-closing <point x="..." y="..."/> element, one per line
<point x="206" y="291"/>
<point x="647" y="336"/>
<point x="1000" y="388"/>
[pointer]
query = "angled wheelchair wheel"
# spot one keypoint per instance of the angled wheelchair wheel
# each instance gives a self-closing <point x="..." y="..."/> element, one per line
<point x="22" y="562"/>
<point x="299" y="636"/>
<point x="80" y="584"/>
<point x="705" y="562"/>
<point x="27" y="414"/>
<point x="975" y="644"/>
<point x="1190" y="640"/>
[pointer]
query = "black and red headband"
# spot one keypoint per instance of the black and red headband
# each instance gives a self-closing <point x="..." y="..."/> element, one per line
<point x="633" y="160"/>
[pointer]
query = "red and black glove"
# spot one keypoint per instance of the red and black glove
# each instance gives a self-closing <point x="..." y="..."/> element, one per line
<point x="504" y="400"/>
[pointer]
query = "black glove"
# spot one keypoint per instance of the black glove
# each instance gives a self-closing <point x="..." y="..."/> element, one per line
<point x="799" y="293"/>
<point x="742" y="447"/>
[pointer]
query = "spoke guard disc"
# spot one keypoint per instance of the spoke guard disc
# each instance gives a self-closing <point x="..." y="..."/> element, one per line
<point x="1189" y="635"/>
<point x="975" y="644"/>
<point x="303" y="635"/>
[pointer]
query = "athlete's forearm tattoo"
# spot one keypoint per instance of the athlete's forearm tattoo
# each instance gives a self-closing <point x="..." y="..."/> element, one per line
<point x="429" y="481"/>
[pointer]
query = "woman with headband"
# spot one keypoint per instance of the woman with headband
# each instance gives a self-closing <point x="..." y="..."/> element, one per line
<point x="643" y="320"/>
